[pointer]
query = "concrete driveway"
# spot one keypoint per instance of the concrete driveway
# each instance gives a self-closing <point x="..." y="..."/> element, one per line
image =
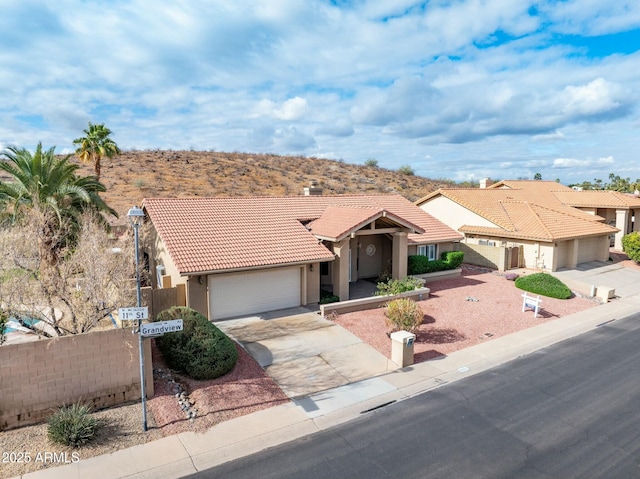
<point x="626" y="281"/>
<point x="305" y="353"/>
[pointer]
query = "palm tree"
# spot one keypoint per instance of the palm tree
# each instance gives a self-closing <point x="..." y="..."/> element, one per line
<point x="95" y="145"/>
<point x="47" y="187"/>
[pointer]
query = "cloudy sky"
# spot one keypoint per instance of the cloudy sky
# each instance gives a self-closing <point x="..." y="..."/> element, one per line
<point x="457" y="89"/>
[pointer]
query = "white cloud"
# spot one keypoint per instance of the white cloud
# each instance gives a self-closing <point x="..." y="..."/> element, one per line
<point x="556" y="135"/>
<point x="575" y="163"/>
<point x="481" y="87"/>
<point x="292" y="109"/>
<point x="598" y="96"/>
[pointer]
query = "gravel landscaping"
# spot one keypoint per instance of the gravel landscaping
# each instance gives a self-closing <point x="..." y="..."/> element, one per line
<point x="461" y="312"/>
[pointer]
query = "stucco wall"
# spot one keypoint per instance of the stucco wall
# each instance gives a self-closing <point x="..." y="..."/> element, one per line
<point x="197" y="294"/>
<point x="160" y="256"/>
<point x="312" y="285"/>
<point x="452" y="214"/>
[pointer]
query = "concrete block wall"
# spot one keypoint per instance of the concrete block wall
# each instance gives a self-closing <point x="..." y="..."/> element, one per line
<point x="494" y="257"/>
<point x="99" y="368"/>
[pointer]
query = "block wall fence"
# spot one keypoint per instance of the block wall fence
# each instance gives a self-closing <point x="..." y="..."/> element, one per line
<point x="101" y="369"/>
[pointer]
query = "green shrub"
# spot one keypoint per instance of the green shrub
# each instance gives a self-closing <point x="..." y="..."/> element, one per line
<point x="403" y="314"/>
<point x="72" y="425"/>
<point x="418" y="264"/>
<point x="371" y="162"/>
<point x="406" y="170"/>
<point x="397" y="286"/>
<point x="631" y="246"/>
<point x="544" y="284"/>
<point x="453" y="258"/>
<point x="200" y="350"/>
<point x="326" y="297"/>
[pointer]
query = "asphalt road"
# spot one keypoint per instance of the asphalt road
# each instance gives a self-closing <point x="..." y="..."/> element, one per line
<point x="571" y="410"/>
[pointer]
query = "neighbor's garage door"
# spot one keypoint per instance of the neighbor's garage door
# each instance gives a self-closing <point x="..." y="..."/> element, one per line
<point x="236" y="294"/>
<point x="589" y="248"/>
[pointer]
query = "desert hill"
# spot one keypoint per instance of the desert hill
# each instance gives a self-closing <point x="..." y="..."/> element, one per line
<point x="135" y="175"/>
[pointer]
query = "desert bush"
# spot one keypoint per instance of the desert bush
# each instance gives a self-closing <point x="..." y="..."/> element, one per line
<point x="418" y="264"/>
<point x="631" y="246"/>
<point x="403" y="314"/>
<point x="72" y="425"/>
<point x="544" y="284"/>
<point x="371" y="162"/>
<point x="200" y="350"/>
<point x="397" y="286"/>
<point x="406" y="170"/>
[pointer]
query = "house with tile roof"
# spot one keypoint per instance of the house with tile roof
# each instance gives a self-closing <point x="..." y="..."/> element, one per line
<point x="613" y="207"/>
<point x="522" y="224"/>
<point x="244" y="255"/>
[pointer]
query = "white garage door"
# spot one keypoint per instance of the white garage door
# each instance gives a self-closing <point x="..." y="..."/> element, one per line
<point x="236" y="294"/>
<point x="589" y="249"/>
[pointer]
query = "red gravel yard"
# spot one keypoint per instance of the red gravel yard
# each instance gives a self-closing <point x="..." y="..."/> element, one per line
<point x="461" y="312"/>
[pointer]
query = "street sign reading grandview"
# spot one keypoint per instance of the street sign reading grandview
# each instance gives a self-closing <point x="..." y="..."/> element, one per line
<point x="160" y="327"/>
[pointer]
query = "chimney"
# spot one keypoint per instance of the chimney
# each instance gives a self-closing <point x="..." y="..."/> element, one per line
<point x="313" y="189"/>
<point x="485" y="183"/>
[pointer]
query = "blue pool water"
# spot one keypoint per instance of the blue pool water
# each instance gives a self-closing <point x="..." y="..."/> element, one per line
<point x="29" y="321"/>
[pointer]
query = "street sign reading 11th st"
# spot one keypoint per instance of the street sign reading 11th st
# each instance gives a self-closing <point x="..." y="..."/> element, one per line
<point x="133" y="314"/>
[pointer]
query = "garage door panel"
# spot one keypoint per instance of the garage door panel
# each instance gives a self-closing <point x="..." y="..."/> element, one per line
<point x="589" y="249"/>
<point x="250" y="292"/>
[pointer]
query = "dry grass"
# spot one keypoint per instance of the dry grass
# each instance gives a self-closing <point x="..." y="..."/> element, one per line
<point x="135" y="175"/>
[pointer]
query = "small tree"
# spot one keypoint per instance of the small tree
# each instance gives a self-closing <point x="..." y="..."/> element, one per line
<point x="88" y="282"/>
<point x="631" y="246"/>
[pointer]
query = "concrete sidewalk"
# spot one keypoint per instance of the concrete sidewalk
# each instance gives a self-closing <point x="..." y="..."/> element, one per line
<point x="187" y="453"/>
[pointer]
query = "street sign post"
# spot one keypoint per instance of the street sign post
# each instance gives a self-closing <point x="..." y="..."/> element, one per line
<point x="160" y="327"/>
<point x="133" y="314"/>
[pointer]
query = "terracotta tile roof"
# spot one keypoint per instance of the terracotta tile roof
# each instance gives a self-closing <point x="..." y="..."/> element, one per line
<point x="539" y="223"/>
<point x="220" y="234"/>
<point x="535" y="186"/>
<point x="337" y="222"/>
<point x="534" y="213"/>
<point x="598" y="199"/>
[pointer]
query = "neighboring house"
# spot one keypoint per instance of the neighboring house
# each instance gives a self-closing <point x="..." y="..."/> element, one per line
<point x="614" y="208"/>
<point x="251" y="254"/>
<point x="522" y="224"/>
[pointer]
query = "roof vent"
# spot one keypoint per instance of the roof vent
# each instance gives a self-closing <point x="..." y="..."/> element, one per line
<point x="313" y="189"/>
